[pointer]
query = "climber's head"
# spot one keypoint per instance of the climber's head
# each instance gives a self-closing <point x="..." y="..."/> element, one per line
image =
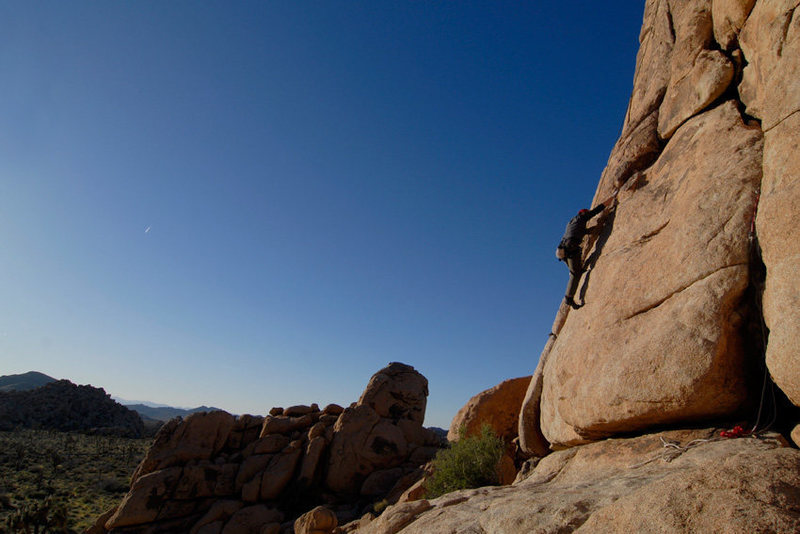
<point x="581" y="212"/>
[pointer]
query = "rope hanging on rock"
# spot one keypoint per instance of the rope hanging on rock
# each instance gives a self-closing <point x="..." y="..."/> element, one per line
<point x="766" y="383"/>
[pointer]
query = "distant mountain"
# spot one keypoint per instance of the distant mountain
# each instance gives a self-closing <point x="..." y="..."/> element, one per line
<point x="25" y="381"/>
<point x="128" y="402"/>
<point x="441" y="432"/>
<point x="165" y="413"/>
<point x="62" y="405"/>
<point x="149" y="411"/>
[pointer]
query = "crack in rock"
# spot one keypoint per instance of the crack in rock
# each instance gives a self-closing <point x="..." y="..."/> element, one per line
<point x="680" y="290"/>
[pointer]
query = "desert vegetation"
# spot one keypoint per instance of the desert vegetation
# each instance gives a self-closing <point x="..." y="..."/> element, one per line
<point x="470" y="462"/>
<point x="61" y="482"/>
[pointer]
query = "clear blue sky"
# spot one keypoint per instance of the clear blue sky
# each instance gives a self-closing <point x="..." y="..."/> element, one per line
<point x="257" y="204"/>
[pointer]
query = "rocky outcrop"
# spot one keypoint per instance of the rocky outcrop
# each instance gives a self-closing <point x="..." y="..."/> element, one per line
<point x="320" y="520"/>
<point x="658" y="339"/>
<point x="671" y="280"/>
<point x="770" y="40"/>
<point x="497" y="407"/>
<point x="215" y="473"/>
<point x="679" y="481"/>
<point x="64" y="406"/>
<point x="384" y="427"/>
<point x="397" y="392"/>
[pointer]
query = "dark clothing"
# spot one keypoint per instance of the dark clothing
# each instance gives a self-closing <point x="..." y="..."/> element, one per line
<point x="571" y="243"/>
<point x="574" y="265"/>
<point x="576" y="229"/>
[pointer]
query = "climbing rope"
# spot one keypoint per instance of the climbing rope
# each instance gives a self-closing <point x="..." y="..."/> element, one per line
<point x="672" y="450"/>
<point x="766" y="383"/>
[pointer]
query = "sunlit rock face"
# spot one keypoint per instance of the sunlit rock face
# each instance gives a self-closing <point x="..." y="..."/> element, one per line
<point x="712" y="123"/>
<point x="497" y="407"/>
<point x="622" y="486"/>
<point x="658" y="340"/>
<point x="770" y="40"/>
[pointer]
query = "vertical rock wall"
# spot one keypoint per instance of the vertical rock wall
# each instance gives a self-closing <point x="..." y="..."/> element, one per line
<point x="713" y="113"/>
<point x="770" y="40"/>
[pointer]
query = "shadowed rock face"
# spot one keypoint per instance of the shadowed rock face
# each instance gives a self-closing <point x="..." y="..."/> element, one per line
<point x="380" y="429"/>
<point x="214" y="472"/>
<point x="397" y="392"/>
<point x="711" y="122"/>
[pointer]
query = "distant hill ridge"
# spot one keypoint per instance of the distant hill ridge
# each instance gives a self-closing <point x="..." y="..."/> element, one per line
<point x="25" y="381"/>
<point x="148" y="411"/>
<point x="165" y="413"/>
<point x="64" y="406"/>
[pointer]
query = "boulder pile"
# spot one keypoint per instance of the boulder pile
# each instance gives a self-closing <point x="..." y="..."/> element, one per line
<point x="214" y="473"/>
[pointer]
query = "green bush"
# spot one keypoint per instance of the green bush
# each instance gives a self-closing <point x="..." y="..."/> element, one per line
<point x="470" y="462"/>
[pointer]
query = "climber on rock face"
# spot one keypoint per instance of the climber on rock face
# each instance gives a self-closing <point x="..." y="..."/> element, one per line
<point x="569" y="249"/>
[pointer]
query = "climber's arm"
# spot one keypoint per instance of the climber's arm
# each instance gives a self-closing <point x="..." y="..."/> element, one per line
<point x="606" y="204"/>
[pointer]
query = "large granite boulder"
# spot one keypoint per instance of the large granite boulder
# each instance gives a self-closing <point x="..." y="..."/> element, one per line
<point x="779" y="238"/>
<point x="381" y="430"/>
<point x="320" y="520"/>
<point x="770" y="40"/>
<point x="638" y="145"/>
<point x="668" y="271"/>
<point x="658" y="340"/>
<point x="497" y="407"/>
<point x="397" y="392"/>
<point x="200" y="436"/>
<point x="362" y="443"/>
<point x="729" y="17"/>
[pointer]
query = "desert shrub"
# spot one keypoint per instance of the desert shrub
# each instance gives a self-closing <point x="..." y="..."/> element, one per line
<point x="111" y="485"/>
<point x="380" y="506"/>
<point x="470" y="462"/>
<point x="85" y="474"/>
<point x="46" y="517"/>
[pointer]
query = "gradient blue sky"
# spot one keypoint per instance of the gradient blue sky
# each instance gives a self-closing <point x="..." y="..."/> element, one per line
<point x="257" y="204"/>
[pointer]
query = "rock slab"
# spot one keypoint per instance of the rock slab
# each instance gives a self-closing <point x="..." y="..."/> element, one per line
<point x="658" y="341"/>
<point x="741" y="485"/>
